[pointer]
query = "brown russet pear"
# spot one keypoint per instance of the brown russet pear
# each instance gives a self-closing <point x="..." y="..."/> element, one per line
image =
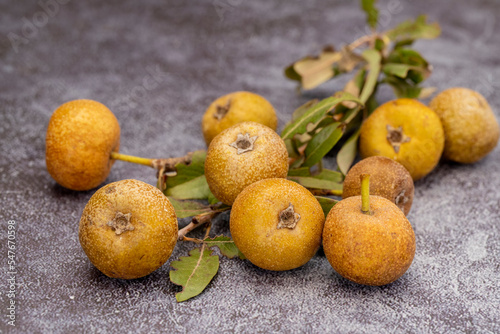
<point x="368" y="239"/>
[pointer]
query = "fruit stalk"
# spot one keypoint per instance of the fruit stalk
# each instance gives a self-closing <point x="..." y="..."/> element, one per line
<point x="165" y="165"/>
<point x="132" y="159"/>
<point x="365" y="193"/>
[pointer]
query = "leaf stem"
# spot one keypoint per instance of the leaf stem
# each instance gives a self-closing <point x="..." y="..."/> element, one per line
<point x="197" y="221"/>
<point x="365" y="194"/>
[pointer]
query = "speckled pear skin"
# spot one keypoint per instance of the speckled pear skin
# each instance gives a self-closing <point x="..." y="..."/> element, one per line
<point x="80" y="138"/>
<point x="242" y="107"/>
<point x="422" y="152"/>
<point x="470" y="127"/>
<point x="148" y="241"/>
<point x="228" y="172"/>
<point x="373" y="249"/>
<point x="388" y="179"/>
<point x="254" y="224"/>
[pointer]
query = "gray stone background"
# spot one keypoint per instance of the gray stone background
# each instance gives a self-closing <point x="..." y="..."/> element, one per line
<point x="196" y="51"/>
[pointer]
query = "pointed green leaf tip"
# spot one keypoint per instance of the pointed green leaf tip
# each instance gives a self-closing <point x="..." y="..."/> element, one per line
<point x="226" y="246"/>
<point x="194" y="272"/>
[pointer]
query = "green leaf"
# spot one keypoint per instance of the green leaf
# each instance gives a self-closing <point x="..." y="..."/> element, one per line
<point x="196" y="188"/>
<point x="326" y="179"/>
<point x="303" y="108"/>
<point x="399" y="70"/>
<point x="371" y="12"/>
<point x="226" y="246"/>
<point x="347" y="153"/>
<point x="188" y="172"/>
<point x="402" y="88"/>
<point x="414" y="29"/>
<point x="321" y="143"/>
<point x="185" y="209"/>
<point x="417" y="70"/>
<point x="194" y="272"/>
<point x="190" y="182"/>
<point x="315" y="113"/>
<point x="373" y="58"/>
<point x="326" y="203"/>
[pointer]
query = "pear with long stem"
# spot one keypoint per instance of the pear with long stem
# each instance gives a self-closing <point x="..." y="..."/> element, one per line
<point x="368" y="239"/>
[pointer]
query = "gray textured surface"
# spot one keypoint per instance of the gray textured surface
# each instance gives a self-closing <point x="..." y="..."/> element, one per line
<point x="196" y="52"/>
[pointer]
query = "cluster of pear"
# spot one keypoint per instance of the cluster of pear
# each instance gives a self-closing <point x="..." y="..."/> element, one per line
<point x="128" y="228"/>
<point x="279" y="225"/>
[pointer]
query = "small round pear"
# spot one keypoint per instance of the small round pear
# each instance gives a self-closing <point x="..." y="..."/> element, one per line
<point x="128" y="229"/>
<point x="470" y="128"/>
<point x="234" y="108"/>
<point x="80" y="138"/>
<point x="367" y="239"/>
<point x="241" y="155"/>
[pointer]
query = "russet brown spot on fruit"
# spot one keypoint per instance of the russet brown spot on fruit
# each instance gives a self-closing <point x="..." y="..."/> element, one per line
<point x="288" y="218"/>
<point x="121" y="222"/>
<point x="222" y="110"/>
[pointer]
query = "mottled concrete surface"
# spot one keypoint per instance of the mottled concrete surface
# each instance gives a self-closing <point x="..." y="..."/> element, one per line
<point x="157" y="65"/>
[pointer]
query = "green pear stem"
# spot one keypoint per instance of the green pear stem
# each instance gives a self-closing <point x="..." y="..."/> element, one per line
<point x="161" y="165"/>
<point x="365" y="194"/>
<point x="132" y="159"/>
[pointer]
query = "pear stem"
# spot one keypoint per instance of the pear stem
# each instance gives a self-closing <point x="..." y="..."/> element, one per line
<point x="132" y="159"/>
<point x="161" y="165"/>
<point x="365" y="194"/>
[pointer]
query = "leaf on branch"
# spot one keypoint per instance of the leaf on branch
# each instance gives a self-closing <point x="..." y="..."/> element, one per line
<point x="354" y="87"/>
<point x="326" y="179"/>
<point x="326" y="203"/>
<point x="303" y="108"/>
<point x="417" y="68"/>
<point x="402" y="88"/>
<point x="315" y="114"/>
<point x="373" y="57"/>
<point x="348" y="152"/>
<point x="371" y="12"/>
<point x="185" y="208"/>
<point x="321" y="143"/>
<point x="190" y="182"/>
<point x="226" y="246"/>
<point x="410" y="30"/>
<point x="313" y="71"/>
<point x="194" y="272"/>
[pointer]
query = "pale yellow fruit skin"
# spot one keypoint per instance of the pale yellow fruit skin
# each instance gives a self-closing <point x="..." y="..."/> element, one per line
<point x="131" y="254"/>
<point x="228" y="173"/>
<point x="470" y="127"/>
<point x="80" y="138"/>
<point x="373" y="249"/>
<point x="388" y="179"/>
<point x="244" y="106"/>
<point x="254" y="218"/>
<point x="422" y="153"/>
